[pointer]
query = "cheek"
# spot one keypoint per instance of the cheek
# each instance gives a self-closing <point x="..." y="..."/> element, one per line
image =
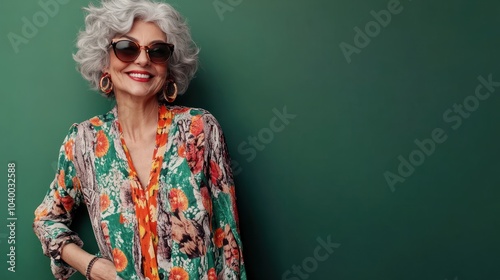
<point x="161" y="75"/>
<point x="162" y="71"/>
<point x="116" y="65"/>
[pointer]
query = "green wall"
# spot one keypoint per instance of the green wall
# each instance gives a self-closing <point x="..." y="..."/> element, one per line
<point x="389" y="150"/>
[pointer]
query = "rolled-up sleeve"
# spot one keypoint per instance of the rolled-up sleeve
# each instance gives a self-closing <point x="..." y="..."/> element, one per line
<point x="54" y="215"/>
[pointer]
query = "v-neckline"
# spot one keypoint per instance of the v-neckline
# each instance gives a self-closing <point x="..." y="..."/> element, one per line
<point x="133" y="171"/>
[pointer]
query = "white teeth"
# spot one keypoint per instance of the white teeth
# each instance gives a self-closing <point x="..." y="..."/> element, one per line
<point x="137" y="75"/>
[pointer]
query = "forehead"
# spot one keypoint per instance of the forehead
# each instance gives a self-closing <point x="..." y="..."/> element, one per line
<point x="146" y="32"/>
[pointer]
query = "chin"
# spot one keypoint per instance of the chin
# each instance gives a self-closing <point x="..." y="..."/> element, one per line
<point x="139" y="92"/>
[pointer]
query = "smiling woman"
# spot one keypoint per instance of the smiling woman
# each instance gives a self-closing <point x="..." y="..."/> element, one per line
<point x="155" y="178"/>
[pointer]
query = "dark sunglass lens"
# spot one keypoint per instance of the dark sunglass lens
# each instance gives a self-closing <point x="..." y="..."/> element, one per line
<point x="126" y="51"/>
<point x="159" y="53"/>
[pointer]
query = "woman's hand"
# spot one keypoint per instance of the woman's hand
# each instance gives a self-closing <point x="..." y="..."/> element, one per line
<point x="103" y="269"/>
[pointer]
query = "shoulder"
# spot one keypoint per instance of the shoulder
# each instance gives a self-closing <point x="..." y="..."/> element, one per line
<point x="194" y="114"/>
<point x="100" y="120"/>
<point x="198" y="120"/>
<point x="80" y="133"/>
<point x="94" y="123"/>
<point x="187" y="111"/>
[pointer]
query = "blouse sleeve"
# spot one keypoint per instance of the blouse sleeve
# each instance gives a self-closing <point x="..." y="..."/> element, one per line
<point x="229" y="262"/>
<point x="54" y="215"/>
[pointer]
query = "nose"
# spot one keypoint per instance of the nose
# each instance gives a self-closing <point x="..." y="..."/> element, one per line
<point x="143" y="58"/>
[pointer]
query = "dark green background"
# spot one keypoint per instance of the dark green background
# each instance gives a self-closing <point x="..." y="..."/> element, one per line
<point x="323" y="174"/>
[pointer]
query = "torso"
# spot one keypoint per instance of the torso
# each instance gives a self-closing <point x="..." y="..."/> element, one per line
<point x="107" y="191"/>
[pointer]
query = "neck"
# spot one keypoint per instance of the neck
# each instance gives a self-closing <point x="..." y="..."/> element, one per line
<point x="138" y="118"/>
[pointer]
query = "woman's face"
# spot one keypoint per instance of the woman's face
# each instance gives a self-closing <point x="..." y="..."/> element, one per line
<point x="140" y="78"/>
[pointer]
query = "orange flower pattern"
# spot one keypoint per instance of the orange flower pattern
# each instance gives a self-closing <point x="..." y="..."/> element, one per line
<point x="68" y="149"/>
<point x="219" y="237"/>
<point x="181" y="226"/>
<point x="119" y="259"/>
<point x="211" y="274"/>
<point x="177" y="199"/>
<point x="104" y="202"/>
<point x="102" y="144"/>
<point x="95" y="121"/>
<point x="178" y="273"/>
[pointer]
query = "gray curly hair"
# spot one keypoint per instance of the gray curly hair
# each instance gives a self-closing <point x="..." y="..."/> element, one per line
<point x="117" y="17"/>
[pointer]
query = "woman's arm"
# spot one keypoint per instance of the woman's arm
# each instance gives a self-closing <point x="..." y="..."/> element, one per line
<point x="54" y="215"/>
<point x="226" y="233"/>
<point x="53" y="218"/>
<point x="79" y="259"/>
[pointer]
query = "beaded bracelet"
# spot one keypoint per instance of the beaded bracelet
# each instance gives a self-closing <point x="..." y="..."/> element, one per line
<point x="89" y="267"/>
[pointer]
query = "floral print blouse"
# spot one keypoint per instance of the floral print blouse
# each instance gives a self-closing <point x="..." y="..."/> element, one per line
<point x="182" y="225"/>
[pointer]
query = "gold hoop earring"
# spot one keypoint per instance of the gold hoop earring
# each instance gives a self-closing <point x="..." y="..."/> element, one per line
<point x="105" y="83"/>
<point x="167" y="91"/>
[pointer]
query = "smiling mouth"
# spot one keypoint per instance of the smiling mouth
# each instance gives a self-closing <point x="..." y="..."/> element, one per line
<point x="139" y="75"/>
